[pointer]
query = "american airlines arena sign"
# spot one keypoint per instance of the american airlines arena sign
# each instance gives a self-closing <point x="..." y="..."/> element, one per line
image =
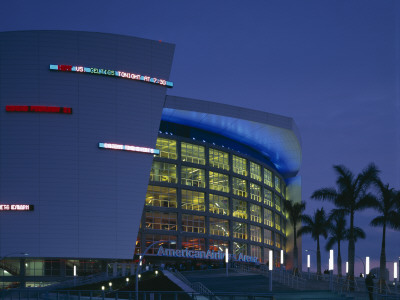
<point x="205" y="255"/>
<point x="114" y="73"/>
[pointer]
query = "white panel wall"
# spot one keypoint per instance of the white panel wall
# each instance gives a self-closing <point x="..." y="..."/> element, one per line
<point x="88" y="201"/>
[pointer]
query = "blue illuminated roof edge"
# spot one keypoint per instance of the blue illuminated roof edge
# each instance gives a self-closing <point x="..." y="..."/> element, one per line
<point x="273" y="135"/>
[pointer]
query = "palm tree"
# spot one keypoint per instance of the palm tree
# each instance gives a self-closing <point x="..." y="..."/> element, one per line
<point x="295" y="212"/>
<point x="316" y="226"/>
<point x="385" y="204"/>
<point x="350" y="196"/>
<point x="337" y="233"/>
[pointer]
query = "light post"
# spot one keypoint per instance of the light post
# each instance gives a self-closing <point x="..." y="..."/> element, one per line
<point x="366" y="265"/>
<point x="395" y="274"/>
<point x="347" y="267"/>
<point x="331" y="268"/>
<point x="226" y="260"/>
<point x="361" y="261"/>
<point x="308" y="265"/>
<point x="270" y="268"/>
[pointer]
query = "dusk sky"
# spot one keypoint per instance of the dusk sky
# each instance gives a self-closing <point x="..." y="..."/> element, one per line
<point x="333" y="66"/>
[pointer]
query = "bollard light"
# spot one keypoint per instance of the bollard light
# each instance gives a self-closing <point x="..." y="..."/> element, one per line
<point x="156" y="272"/>
<point x="103" y="287"/>
<point x="395" y="270"/>
<point x="110" y="284"/>
<point x="366" y="265"/>
<point x="127" y="280"/>
<point x="308" y="261"/>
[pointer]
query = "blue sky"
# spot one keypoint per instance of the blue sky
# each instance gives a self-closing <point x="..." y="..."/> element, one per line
<point x="331" y="65"/>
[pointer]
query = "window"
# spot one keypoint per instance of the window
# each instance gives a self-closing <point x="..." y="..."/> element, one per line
<point x="219" y="227"/>
<point x="193" y="223"/>
<point x="192" y="243"/>
<point x="255" y="213"/>
<point x="255" y="171"/>
<point x="151" y="238"/>
<point x="193" y="153"/>
<point x="219" y="182"/>
<point x="268" y="217"/>
<point x="163" y="172"/>
<point x="217" y="245"/>
<point x="219" y="204"/>
<point x="277" y="222"/>
<point x="277" y="184"/>
<point x="255" y="233"/>
<point x="193" y="177"/>
<point x="268" y="237"/>
<point x="277" y="203"/>
<point x="277" y="240"/>
<point x="255" y="251"/>
<point x="239" y="248"/>
<point x="240" y="230"/>
<point x="138" y="246"/>
<point x="161" y="220"/>
<point x="255" y="192"/>
<point x="239" y="187"/>
<point x="167" y="148"/>
<point x="239" y="208"/>
<point x="161" y="196"/>
<point x="268" y="197"/>
<point x="239" y="165"/>
<point x="268" y="177"/>
<point x="193" y="200"/>
<point x="218" y="159"/>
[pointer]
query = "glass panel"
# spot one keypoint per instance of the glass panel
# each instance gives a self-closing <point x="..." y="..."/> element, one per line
<point x="255" y="171"/>
<point x="255" y="213"/>
<point x="239" y="187"/>
<point x="161" y="220"/>
<point x="217" y="245"/>
<point x="255" y="251"/>
<point x="239" y="165"/>
<point x="192" y="153"/>
<point x="268" y="237"/>
<point x="192" y="243"/>
<point x="219" y="204"/>
<point x="163" y="172"/>
<point x="192" y="223"/>
<point x="277" y="240"/>
<point x="193" y="177"/>
<point x="239" y="248"/>
<point x="151" y="238"/>
<point x="239" y="208"/>
<point x="268" y="177"/>
<point x="240" y="230"/>
<point x="277" y="184"/>
<point x="277" y="221"/>
<point x="255" y="233"/>
<point x="255" y="192"/>
<point x="219" y="227"/>
<point x="161" y="196"/>
<point x="277" y="202"/>
<point x="218" y="159"/>
<point x="167" y="148"/>
<point x="268" y="197"/>
<point x="268" y="217"/>
<point x="219" y="182"/>
<point x="193" y="200"/>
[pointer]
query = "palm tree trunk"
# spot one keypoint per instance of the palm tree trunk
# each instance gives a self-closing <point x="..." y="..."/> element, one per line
<point x="318" y="258"/>
<point x="351" y="252"/>
<point x="382" y="262"/>
<point x="295" y="251"/>
<point x="339" y="260"/>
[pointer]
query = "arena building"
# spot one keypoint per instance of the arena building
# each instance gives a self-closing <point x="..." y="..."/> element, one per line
<point x="98" y="163"/>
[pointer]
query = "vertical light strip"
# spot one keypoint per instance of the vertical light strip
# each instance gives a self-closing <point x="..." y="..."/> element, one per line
<point x="281" y="257"/>
<point x="395" y="270"/>
<point x="270" y="263"/>
<point x="308" y="261"/>
<point x="331" y="260"/>
<point x="226" y="255"/>
<point x="347" y="267"/>
<point x="367" y="265"/>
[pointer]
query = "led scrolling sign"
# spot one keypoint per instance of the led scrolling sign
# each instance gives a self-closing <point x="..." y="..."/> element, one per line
<point x="107" y="72"/>
<point x="16" y="207"/>
<point x="129" y="148"/>
<point x="39" y="108"/>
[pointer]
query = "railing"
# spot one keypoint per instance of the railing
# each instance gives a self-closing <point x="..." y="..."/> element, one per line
<point x="33" y="294"/>
<point x="9" y="268"/>
<point x="197" y="286"/>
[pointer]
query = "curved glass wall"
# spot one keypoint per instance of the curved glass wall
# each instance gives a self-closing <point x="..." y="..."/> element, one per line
<point x="205" y="196"/>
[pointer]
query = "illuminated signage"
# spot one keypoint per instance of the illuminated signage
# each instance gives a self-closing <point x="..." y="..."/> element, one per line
<point x="37" y="108"/>
<point x="129" y="148"/>
<point x="122" y="74"/>
<point x="220" y="255"/>
<point x="16" y="207"/>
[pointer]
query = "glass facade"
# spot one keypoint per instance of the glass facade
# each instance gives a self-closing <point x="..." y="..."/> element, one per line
<point x="217" y="198"/>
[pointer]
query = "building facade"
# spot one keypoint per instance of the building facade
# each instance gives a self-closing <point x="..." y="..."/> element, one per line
<point x="96" y="159"/>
